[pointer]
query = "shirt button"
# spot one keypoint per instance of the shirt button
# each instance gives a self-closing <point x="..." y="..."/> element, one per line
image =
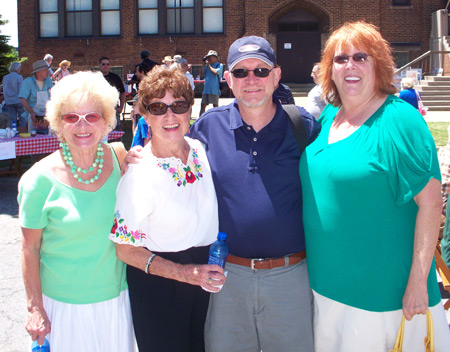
<point x="255" y="139"/>
<point x="249" y="128"/>
<point x="255" y="153"/>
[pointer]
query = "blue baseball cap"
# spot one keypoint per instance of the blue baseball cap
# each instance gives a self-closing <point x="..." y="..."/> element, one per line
<point x="252" y="47"/>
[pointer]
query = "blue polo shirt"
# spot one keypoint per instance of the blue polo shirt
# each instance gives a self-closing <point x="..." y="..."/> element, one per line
<point x="212" y="81"/>
<point x="256" y="179"/>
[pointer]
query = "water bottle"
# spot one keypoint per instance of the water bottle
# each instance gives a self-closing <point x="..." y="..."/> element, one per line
<point x="219" y="250"/>
<point x="218" y="255"/>
<point x="14" y="127"/>
<point x="40" y="348"/>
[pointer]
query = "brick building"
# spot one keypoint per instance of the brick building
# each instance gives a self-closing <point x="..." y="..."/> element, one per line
<point x="84" y="30"/>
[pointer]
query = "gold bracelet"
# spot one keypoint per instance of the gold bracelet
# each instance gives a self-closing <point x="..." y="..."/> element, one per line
<point x="149" y="262"/>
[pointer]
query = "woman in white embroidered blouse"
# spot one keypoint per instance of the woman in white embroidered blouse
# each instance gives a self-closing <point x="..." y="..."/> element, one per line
<point x="165" y="220"/>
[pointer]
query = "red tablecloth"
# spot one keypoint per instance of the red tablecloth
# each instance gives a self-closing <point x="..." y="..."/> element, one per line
<point x="43" y="144"/>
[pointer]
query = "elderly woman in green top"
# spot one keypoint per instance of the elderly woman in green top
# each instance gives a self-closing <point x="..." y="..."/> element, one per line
<point x="371" y="205"/>
<point x="76" y="288"/>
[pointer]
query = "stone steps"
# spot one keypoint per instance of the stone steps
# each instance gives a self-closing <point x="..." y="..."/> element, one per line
<point x="435" y="92"/>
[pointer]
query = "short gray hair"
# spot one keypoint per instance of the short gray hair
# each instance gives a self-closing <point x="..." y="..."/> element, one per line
<point x="15" y="66"/>
<point x="48" y="56"/>
<point x="407" y="83"/>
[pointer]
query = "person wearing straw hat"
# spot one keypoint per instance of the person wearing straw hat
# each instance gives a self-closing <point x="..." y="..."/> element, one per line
<point x="213" y="75"/>
<point x="167" y="61"/>
<point x="62" y="71"/>
<point x="34" y="94"/>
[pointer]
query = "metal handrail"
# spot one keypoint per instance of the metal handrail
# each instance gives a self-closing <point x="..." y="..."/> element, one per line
<point x="420" y="58"/>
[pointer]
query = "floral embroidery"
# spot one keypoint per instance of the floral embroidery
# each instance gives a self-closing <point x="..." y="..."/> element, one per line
<point x="183" y="175"/>
<point x="120" y="232"/>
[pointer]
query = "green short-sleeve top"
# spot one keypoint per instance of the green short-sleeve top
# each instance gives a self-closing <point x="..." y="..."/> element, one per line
<point x="78" y="262"/>
<point x="358" y="207"/>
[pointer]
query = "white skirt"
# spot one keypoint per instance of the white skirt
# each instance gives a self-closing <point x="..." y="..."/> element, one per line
<point x="96" y="327"/>
<point x="342" y="328"/>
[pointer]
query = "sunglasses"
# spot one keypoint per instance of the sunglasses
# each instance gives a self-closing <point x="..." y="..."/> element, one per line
<point x="90" y="117"/>
<point x="357" y="57"/>
<point x="243" y="72"/>
<point x="160" y="108"/>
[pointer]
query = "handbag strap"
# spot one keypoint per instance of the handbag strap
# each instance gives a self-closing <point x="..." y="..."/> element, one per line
<point x="417" y="95"/>
<point x="428" y="341"/>
<point x="298" y="126"/>
<point x="399" y="341"/>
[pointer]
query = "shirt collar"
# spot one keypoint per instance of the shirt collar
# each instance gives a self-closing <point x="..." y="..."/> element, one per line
<point x="278" y="123"/>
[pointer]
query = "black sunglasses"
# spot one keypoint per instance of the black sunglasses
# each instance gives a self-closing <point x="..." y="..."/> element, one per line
<point x="357" y="57"/>
<point x="243" y="72"/>
<point x="160" y="108"/>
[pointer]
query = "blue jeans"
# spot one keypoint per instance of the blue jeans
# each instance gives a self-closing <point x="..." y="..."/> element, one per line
<point x="269" y="310"/>
<point x="15" y="112"/>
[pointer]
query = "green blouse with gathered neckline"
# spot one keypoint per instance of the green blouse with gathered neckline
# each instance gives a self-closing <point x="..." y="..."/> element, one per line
<point x="78" y="261"/>
<point x="358" y="207"/>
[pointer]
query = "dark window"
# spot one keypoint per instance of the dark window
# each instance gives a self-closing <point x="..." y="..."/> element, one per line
<point x="401" y="2"/>
<point x="179" y="16"/>
<point x="78" y="18"/>
<point x="401" y="58"/>
<point x="110" y="17"/>
<point x="212" y="16"/>
<point x="48" y="18"/>
<point x="147" y="16"/>
<point x="196" y="71"/>
<point x="298" y="27"/>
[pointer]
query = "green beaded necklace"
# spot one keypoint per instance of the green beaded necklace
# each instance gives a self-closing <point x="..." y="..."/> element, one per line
<point x="76" y="171"/>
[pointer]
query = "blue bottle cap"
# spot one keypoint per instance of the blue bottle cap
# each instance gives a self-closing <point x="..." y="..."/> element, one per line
<point x="221" y="236"/>
<point x="35" y="347"/>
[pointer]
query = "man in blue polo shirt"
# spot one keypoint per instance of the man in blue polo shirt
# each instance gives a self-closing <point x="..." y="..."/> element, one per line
<point x="266" y="302"/>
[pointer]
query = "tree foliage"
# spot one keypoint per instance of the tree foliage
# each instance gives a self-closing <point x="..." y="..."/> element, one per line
<point x="8" y="53"/>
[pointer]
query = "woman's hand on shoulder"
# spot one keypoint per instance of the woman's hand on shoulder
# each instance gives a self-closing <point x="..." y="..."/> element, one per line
<point x="208" y="276"/>
<point x="38" y="325"/>
<point x="132" y="157"/>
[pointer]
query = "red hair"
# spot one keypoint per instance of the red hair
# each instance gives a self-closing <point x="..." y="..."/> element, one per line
<point x="365" y="37"/>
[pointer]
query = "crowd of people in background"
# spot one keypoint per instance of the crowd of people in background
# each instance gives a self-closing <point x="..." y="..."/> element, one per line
<point x="331" y="238"/>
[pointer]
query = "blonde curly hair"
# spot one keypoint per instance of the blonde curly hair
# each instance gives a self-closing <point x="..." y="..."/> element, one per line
<point x="77" y="89"/>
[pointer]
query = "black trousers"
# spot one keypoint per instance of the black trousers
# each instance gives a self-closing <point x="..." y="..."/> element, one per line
<point x="168" y="315"/>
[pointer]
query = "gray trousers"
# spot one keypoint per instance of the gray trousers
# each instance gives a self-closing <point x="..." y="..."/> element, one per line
<point x="15" y="111"/>
<point x="269" y="310"/>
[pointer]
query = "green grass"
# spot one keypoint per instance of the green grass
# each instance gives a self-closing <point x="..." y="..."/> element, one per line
<point x="439" y="132"/>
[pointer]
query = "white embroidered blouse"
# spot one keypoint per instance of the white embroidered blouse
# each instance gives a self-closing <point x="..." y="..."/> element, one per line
<point x="167" y="206"/>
